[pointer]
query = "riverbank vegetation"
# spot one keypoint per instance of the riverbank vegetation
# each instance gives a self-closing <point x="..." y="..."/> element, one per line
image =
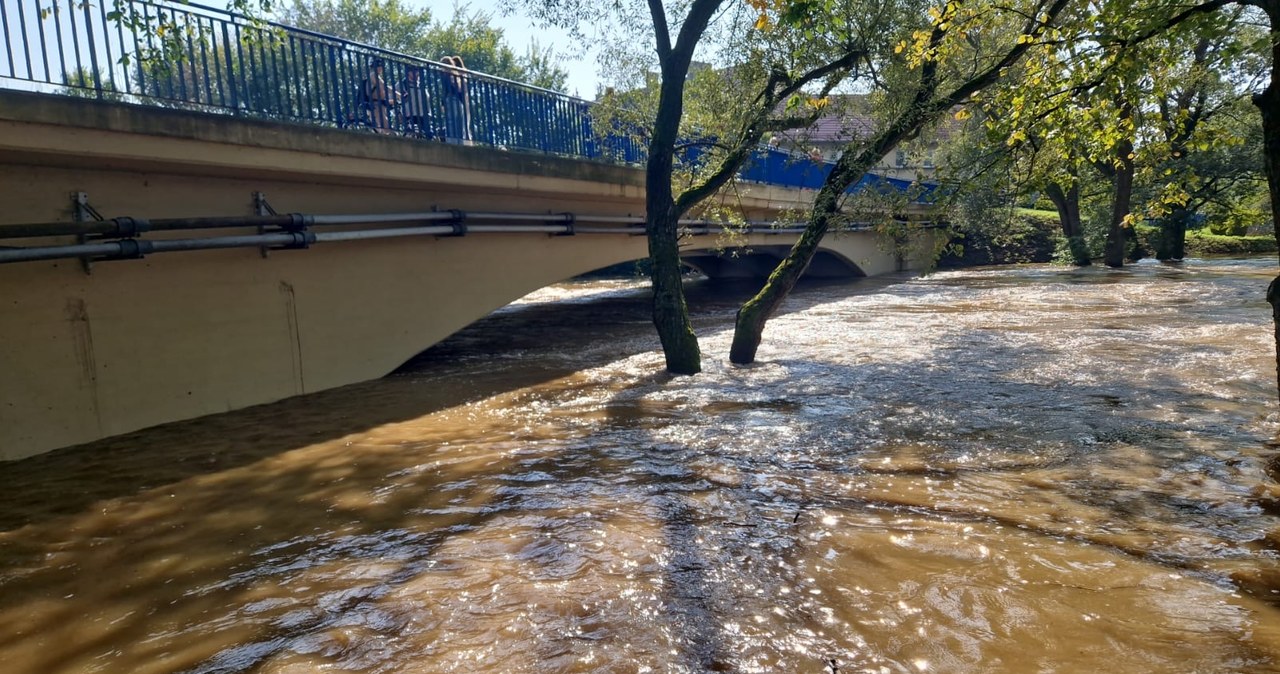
<point x="1030" y="236"/>
<point x="1116" y="115"/>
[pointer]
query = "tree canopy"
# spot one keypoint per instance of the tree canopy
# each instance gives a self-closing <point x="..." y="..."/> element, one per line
<point x="395" y="26"/>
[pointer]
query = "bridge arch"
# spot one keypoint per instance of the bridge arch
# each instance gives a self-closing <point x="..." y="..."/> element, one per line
<point x="760" y="261"/>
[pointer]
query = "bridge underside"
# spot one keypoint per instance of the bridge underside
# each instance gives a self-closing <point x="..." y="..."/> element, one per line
<point x="134" y="343"/>
<point x="759" y="261"/>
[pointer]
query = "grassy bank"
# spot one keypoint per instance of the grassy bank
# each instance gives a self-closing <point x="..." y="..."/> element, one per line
<point x="1201" y="243"/>
<point x="1033" y="236"/>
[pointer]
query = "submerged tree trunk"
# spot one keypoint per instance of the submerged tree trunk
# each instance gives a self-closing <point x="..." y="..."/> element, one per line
<point x="670" y="312"/>
<point x="1172" y="242"/>
<point x="662" y="224"/>
<point x="1268" y="103"/>
<point x="926" y="106"/>
<point x="755" y="312"/>
<point x="662" y="216"/>
<point x="1120" y="205"/>
<point x="1067" y="203"/>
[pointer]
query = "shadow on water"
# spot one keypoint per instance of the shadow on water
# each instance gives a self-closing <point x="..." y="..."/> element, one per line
<point x="1179" y="526"/>
<point x="62" y="482"/>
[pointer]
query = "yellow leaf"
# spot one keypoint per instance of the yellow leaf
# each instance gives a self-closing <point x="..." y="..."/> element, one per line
<point x="762" y="22"/>
<point x="963" y="114"/>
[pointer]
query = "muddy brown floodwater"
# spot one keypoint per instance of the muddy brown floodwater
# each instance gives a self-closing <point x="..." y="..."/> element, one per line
<point x="1031" y="469"/>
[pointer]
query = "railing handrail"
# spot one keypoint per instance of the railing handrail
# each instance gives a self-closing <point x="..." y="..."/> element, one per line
<point x="251" y="21"/>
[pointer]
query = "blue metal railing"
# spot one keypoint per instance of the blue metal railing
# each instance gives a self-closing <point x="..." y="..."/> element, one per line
<point x="194" y="57"/>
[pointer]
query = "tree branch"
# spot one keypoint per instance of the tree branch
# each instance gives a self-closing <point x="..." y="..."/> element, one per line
<point x="693" y="27"/>
<point x="660" y="29"/>
<point x="1206" y="8"/>
<point x="769" y="98"/>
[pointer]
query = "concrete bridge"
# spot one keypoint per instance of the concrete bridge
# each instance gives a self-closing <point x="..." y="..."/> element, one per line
<point x="412" y="241"/>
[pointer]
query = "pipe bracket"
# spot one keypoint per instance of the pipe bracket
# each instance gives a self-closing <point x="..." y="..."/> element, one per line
<point x="569" y="220"/>
<point x="129" y="228"/>
<point x="83" y="211"/>
<point x="131" y="249"/>
<point x="301" y="241"/>
<point x="458" y="223"/>
<point x="298" y="222"/>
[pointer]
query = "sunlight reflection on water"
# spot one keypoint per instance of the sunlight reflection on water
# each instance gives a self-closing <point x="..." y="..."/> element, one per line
<point x="1003" y="470"/>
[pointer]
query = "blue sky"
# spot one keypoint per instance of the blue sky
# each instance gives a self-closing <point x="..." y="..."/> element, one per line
<point x="578" y="61"/>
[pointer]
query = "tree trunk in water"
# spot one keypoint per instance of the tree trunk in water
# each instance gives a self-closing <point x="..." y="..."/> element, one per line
<point x="1171" y="245"/>
<point x="1067" y="202"/>
<point x="1268" y="103"/>
<point x="755" y="312"/>
<point x="925" y="106"/>
<point x="670" y="312"/>
<point x="1120" y="204"/>
<point x="662" y="224"/>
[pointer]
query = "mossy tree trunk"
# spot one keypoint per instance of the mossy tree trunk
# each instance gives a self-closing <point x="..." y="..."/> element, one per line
<point x="1067" y="203"/>
<point x="1171" y="244"/>
<point x="670" y="311"/>
<point x="662" y="216"/>
<point x="1120" y="205"/>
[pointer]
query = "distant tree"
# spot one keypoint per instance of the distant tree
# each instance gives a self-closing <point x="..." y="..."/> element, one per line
<point x="388" y="24"/>
<point x="81" y="83"/>
<point x="1201" y="158"/>
<point x="1215" y="181"/>
<point x="394" y="26"/>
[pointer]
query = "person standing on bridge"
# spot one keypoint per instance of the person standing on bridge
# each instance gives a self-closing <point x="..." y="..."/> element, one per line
<point x="378" y="96"/>
<point x="416" y="104"/>
<point x="457" y="101"/>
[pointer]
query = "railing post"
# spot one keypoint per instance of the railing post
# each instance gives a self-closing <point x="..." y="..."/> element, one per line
<point x="335" y="84"/>
<point x="233" y="81"/>
<point x="8" y="41"/>
<point x="93" y="49"/>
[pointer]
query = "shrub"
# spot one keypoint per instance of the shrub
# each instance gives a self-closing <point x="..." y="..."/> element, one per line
<point x="1022" y="237"/>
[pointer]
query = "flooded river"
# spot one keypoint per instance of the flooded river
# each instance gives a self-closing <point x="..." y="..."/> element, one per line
<point x="1032" y="469"/>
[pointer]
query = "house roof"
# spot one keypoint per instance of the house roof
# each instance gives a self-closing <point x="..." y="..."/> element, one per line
<point x="840" y="126"/>
<point x="846" y="119"/>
